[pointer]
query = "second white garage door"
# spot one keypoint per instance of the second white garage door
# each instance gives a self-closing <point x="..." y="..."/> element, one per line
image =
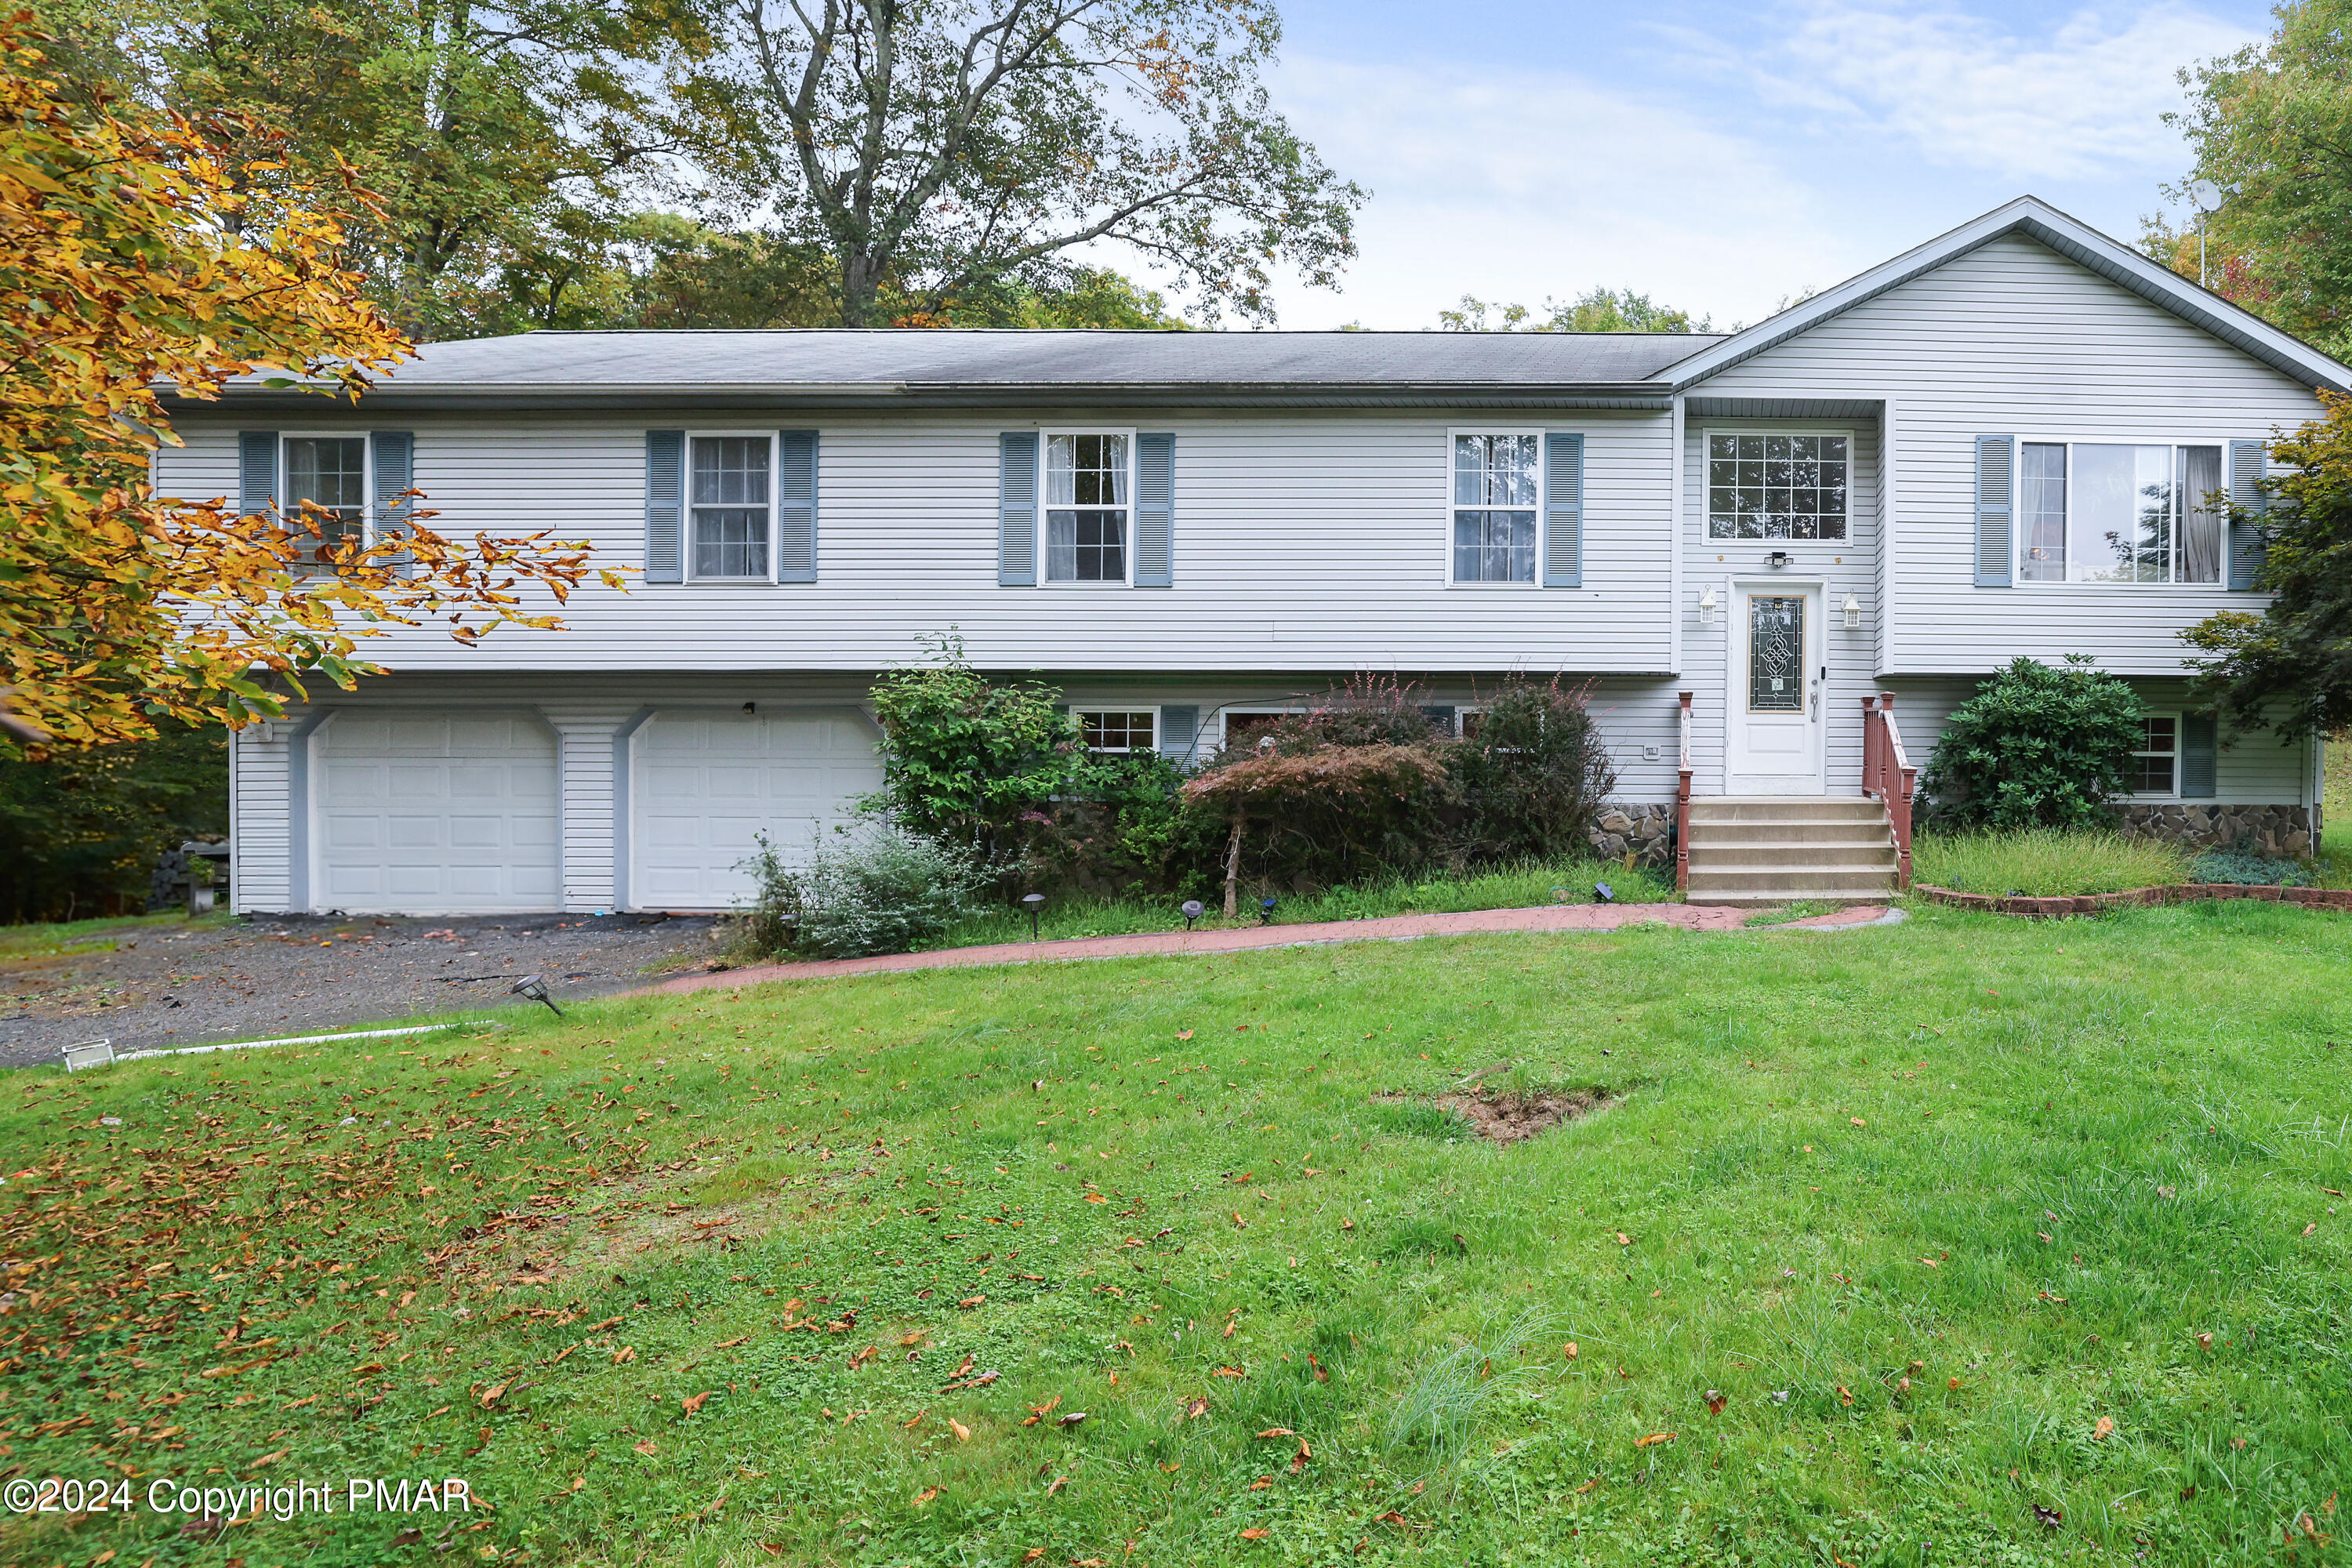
<point x="705" y="784"/>
<point x="435" y="814"/>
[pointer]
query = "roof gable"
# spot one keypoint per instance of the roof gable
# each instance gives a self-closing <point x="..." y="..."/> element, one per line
<point x="2076" y="241"/>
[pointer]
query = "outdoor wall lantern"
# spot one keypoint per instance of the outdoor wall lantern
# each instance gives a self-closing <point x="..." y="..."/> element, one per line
<point x="1033" y="902"/>
<point x="1777" y="559"/>
<point x="1853" y="607"/>
<point x="1190" y="909"/>
<point x="1706" y="608"/>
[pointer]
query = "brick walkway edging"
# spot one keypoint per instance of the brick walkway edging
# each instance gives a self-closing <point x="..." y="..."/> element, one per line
<point x="1390" y="928"/>
<point x="2137" y="898"/>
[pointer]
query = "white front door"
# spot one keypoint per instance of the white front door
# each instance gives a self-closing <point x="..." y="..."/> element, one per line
<point x="1773" y="741"/>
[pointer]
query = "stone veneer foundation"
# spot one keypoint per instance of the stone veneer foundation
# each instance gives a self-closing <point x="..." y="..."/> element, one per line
<point x="2269" y="829"/>
<point x="1647" y="830"/>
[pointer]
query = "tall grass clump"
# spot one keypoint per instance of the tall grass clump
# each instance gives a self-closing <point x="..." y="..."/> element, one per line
<point x="2045" y="862"/>
<point x="1440" y="1413"/>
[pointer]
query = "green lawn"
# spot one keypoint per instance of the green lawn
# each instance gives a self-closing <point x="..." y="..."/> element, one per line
<point x="1901" y="1234"/>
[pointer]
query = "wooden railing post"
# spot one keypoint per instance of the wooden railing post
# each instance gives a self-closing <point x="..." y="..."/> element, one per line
<point x="1898" y="780"/>
<point x="1682" y="807"/>
<point x="1873" y="771"/>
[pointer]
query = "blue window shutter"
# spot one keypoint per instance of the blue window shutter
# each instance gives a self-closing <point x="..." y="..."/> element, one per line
<point x="394" y="452"/>
<point x="1996" y="505"/>
<point x="2200" y="756"/>
<point x="1016" y="509"/>
<point x="2249" y="462"/>
<point x="257" y="472"/>
<point x="1179" y="728"/>
<point x="664" y="506"/>
<point x="1563" y="511"/>
<point x="1155" y="510"/>
<point x="796" y="506"/>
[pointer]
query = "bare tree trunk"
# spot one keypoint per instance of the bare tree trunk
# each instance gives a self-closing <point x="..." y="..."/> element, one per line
<point x="1234" y="866"/>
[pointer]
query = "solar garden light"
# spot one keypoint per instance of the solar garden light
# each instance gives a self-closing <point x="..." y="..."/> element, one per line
<point x="1602" y="893"/>
<point x="533" y="988"/>
<point x="1266" y="911"/>
<point x="1033" y="902"/>
<point x="1190" y="910"/>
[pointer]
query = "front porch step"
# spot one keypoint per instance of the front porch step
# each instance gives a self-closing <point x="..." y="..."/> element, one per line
<point x="1757" y="852"/>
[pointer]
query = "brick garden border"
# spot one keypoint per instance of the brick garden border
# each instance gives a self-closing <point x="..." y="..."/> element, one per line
<point x="2137" y="897"/>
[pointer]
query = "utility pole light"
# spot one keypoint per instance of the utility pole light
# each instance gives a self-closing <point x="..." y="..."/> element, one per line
<point x="2206" y="195"/>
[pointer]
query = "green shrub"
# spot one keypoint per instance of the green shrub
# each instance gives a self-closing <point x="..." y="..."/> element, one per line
<point x="1533" y="778"/>
<point x="2046" y="863"/>
<point x="2037" y="746"/>
<point x="880" y="890"/>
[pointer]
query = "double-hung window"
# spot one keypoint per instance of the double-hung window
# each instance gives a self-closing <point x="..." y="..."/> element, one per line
<point x="1119" y="730"/>
<point x="1765" y="486"/>
<point x="730" y="496"/>
<point x="2156" y="761"/>
<point x="2094" y="511"/>
<point x="1088" y="480"/>
<point x="325" y="487"/>
<point x="1498" y="496"/>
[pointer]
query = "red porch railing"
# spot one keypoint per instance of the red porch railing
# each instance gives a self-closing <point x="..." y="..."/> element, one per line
<point x="1886" y="774"/>
<point x="1682" y="807"/>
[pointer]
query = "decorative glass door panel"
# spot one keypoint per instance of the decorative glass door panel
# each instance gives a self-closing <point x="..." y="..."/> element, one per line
<point x="1776" y="654"/>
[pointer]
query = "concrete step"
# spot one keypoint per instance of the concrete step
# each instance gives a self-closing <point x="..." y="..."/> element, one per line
<point x="1737" y="879"/>
<point x="1786" y="808"/>
<point x="1795" y="835"/>
<point x="1769" y="897"/>
<point x="1708" y="852"/>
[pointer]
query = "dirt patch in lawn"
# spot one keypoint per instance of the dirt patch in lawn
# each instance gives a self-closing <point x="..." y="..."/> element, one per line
<point x="1510" y="1115"/>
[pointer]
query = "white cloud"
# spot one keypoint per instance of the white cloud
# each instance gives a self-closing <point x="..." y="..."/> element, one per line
<point x="1515" y="186"/>
<point x="2084" y="101"/>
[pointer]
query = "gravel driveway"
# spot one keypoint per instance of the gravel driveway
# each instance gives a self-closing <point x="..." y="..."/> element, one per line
<point x="166" y="984"/>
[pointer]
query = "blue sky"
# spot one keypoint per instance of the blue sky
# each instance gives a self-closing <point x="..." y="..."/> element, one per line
<point x="1717" y="157"/>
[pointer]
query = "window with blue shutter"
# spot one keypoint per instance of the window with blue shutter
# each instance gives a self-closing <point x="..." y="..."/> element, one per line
<point x="1996" y="487"/>
<point x="2200" y="756"/>
<point x="394" y="460"/>
<point x="2249" y="462"/>
<point x="664" y="506"/>
<point x="1563" y="512"/>
<point x="1016" y="509"/>
<point x="796" y="506"/>
<point x="1155" y="510"/>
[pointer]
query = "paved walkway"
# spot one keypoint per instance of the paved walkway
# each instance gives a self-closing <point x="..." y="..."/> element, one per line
<point x="1393" y="928"/>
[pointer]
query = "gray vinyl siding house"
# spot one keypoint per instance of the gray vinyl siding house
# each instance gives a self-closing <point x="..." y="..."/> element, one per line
<point x="1238" y="520"/>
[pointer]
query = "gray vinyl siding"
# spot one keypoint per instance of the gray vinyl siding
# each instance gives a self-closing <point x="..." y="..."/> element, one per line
<point x="1303" y="542"/>
<point x="1847" y="567"/>
<point x="2013" y="339"/>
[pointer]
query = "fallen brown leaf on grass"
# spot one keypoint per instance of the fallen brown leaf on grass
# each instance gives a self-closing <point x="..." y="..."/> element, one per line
<point x="1716" y="1400"/>
<point x="626" y="1353"/>
<point x="1590" y="1486"/>
<point x="1299" y="1460"/>
<point x="2105" y="1428"/>
<point x="731" y="1345"/>
<point x="1195" y="1407"/>
<point x="645" y="1447"/>
<point x="693" y="1402"/>
<point x="962" y="1432"/>
<point x="915" y="1420"/>
<point x="1034" y="1554"/>
<point x="1277" y="1432"/>
<point x="1569" y="1349"/>
<point x="2205" y="1343"/>
<point x="1652" y="1440"/>
<point x="969" y="1302"/>
<point x="926" y="1495"/>
<point x="914" y="1337"/>
<point x="1228" y="1372"/>
<point x="1183" y="1034"/>
<point x="1039" y="1411"/>
<point x="1256" y="1533"/>
<point x="1058" y="1483"/>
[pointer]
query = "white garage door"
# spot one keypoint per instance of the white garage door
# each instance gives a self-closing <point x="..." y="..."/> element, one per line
<point x="704" y="785"/>
<point x="435" y="814"/>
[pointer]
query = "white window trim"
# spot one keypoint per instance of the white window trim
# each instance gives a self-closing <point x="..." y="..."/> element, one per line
<point x="685" y="484"/>
<point x="1078" y="712"/>
<point x="2017" y="510"/>
<point x="290" y="512"/>
<point x="1543" y="509"/>
<point x="1706" y="511"/>
<point x="2180" y="735"/>
<point x="1044" y="528"/>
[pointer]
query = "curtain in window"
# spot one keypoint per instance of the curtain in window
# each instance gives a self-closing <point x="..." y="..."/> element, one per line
<point x="2204" y="524"/>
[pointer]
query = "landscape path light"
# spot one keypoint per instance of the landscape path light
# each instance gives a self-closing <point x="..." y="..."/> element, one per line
<point x="534" y="988"/>
<point x="1033" y="902"/>
<point x="1266" y="911"/>
<point x="1190" y="910"/>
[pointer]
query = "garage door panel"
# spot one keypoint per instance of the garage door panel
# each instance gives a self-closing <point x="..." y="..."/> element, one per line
<point x="438" y="813"/>
<point x="705" y="786"/>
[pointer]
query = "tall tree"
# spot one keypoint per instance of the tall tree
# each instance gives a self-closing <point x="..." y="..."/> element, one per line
<point x="136" y="255"/>
<point x="491" y="129"/>
<point x="952" y="146"/>
<point x="1594" y="311"/>
<point x="2271" y="126"/>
